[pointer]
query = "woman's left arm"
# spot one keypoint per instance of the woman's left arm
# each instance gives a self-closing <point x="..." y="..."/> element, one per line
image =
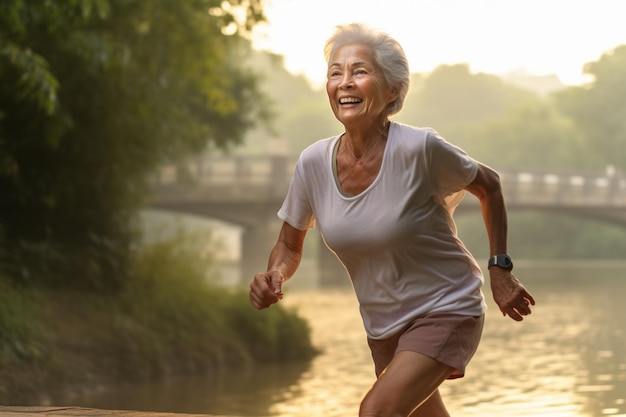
<point x="509" y="294"/>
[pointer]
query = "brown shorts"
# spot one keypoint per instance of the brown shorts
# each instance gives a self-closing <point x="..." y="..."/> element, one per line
<point x="451" y="339"/>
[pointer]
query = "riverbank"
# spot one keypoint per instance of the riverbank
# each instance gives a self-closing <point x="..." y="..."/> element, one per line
<point x="15" y="411"/>
<point x="59" y="341"/>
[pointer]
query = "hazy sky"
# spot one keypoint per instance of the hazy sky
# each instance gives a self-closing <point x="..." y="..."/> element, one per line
<point x="495" y="36"/>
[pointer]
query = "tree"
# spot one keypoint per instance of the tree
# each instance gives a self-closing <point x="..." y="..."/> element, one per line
<point x="301" y="115"/>
<point x="451" y="97"/>
<point x="598" y="109"/>
<point x="94" y="96"/>
<point x="529" y="136"/>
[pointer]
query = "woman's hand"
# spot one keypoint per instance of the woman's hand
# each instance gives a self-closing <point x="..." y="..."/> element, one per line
<point x="509" y="294"/>
<point x="266" y="289"/>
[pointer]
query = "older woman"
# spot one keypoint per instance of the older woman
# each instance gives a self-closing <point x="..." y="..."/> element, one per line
<point x="382" y="194"/>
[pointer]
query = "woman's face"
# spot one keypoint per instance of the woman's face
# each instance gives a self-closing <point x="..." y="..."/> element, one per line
<point x="356" y="87"/>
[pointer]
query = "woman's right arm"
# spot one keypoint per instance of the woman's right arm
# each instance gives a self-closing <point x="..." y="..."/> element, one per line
<point x="284" y="260"/>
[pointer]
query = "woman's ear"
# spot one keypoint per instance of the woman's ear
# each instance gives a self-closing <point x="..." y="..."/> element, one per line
<point x="393" y="93"/>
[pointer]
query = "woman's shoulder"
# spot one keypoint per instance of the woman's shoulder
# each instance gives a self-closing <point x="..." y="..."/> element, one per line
<point x="411" y="137"/>
<point x="413" y="133"/>
<point x="318" y="151"/>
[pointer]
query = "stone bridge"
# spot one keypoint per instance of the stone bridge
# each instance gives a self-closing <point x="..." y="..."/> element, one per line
<point x="248" y="190"/>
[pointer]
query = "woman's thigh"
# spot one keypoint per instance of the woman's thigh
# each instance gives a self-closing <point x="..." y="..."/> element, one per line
<point x="409" y="380"/>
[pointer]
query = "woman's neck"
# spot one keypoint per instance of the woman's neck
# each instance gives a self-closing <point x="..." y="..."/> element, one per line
<point x="361" y="141"/>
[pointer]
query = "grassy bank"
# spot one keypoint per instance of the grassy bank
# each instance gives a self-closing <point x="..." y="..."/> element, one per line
<point x="166" y="321"/>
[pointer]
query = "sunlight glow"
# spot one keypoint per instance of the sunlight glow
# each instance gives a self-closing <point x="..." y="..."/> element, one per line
<point x="495" y="36"/>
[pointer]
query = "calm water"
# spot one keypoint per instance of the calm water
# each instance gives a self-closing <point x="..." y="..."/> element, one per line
<point x="567" y="359"/>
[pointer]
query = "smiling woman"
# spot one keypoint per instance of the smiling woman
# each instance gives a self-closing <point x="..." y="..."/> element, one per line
<point x="383" y="194"/>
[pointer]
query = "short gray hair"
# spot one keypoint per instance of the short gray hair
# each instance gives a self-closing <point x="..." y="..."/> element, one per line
<point x="388" y="54"/>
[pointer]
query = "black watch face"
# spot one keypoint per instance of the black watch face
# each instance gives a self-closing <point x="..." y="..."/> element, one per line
<point x="504" y="262"/>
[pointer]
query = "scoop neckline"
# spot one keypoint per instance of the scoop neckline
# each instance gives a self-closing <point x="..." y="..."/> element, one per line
<point x="333" y="166"/>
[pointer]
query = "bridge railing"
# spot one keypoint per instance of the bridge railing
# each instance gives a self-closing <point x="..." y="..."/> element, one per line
<point x="564" y="188"/>
<point x="256" y="176"/>
<point x="249" y="177"/>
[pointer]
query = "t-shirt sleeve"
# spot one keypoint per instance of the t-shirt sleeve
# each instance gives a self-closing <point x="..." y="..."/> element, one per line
<point x="451" y="169"/>
<point x="296" y="208"/>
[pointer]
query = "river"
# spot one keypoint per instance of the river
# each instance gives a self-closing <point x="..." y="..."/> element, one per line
<point x="568" y="359"/>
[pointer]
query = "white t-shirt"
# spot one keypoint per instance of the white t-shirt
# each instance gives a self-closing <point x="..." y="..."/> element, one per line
<point x="397" y="238"/>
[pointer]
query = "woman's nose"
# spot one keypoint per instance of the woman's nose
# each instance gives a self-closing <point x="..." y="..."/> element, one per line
<point x="346" y="81"/>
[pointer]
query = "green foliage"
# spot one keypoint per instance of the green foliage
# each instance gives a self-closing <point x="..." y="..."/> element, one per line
<point x="529" y="136"/>
<point x="94" y="96"/>
<point x="535" y="234"/>
<point x="35" y="83"/>
<point x="22" y="339"/>
<point x="167" y="320"/>
<point x="451" y="98"/>
<point x="276" y="334"/>
<point x="599" y="108"/>
<point x="169" y="310"/>
<point x="300" y="115"/>
<point x="171" y="279"/>
<point x="18" y="324"/>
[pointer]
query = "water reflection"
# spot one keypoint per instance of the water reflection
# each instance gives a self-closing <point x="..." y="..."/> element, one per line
<point x="567" y="359"/>
<point x="245" y="392"/>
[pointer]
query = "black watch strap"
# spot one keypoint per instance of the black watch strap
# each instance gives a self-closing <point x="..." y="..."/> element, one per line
<point x="501" y="261"/>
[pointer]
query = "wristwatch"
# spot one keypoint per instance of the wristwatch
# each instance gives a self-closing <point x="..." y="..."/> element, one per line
<point x="501" y="261"/>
